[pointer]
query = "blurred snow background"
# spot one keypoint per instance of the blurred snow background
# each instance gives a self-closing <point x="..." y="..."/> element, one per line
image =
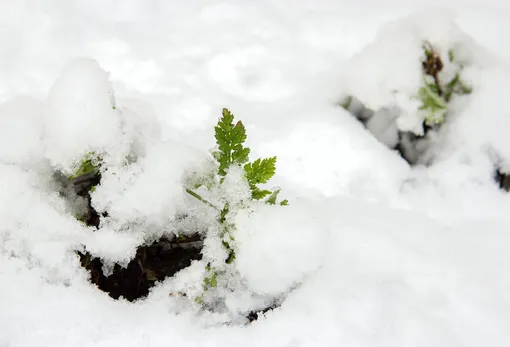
<point x="389" y="255"/>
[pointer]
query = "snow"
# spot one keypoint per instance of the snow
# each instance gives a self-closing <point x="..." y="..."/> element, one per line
<point x="149" y="190"/>
<point x="335" y="156"/>
<point x="370" y="252"/>
<point x="279" y="247"/>
<point x="20" y="131"/>
<point x="79" y="117"/>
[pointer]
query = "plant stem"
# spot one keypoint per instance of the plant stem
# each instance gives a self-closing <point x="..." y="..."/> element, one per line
<point x="198" y="197"/>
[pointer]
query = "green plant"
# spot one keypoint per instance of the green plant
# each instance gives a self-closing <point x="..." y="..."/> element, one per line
<point x="231" y="153"/>
<point x="434" y="95"/>
<point x="346" y="102"/>
<point x="230" y="166"/>
<point x="456" y="85"/>
<point x="89" y="163"/>
<point x="432" y="104"/>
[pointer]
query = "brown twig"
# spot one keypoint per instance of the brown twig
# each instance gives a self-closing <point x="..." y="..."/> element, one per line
<point x="433" y="65"/>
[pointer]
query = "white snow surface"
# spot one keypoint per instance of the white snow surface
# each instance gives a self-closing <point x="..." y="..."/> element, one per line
<point x="370" y="252"/>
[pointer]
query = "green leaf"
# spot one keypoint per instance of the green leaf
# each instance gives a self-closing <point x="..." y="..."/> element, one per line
<point x="81" y="218"/>
<point x="222" y="218"/>
<point x="230" y="139"/>
<point x="433" y="105"/>
<point x="230" y="251"/>
<point x="258" y="194"/>
<point x="430" y="99"/>
<point x="211" y="277"/>
<point x="240" y="155"/>
<point x="272" y="198"/>
<point x="451" y="55"/>
<point x="211" y="281"/>
<point x="346" y="102"/>
<point x="456" y="86"/>
<point x="261" y="170"/>
<point x="90" y="163"/>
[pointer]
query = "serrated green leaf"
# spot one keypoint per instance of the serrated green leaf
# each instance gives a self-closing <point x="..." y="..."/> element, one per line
<point x="284" y="202"/>
<point x="240" y="155"/>
<point x="258" y="194"/>
<point x="230" y="139"/>
<point x="261" y="170"/>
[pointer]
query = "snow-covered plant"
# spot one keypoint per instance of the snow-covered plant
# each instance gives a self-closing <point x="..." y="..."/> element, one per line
<point x="229" y="184"/>
<point x="235" y="185"/>
<point x="440" y="81"/>
<point x="404" y="103"/>
<point x="433" y="94"/>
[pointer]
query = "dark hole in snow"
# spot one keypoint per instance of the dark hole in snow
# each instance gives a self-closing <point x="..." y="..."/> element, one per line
<point x="151" y="264"/>
<point x="382" y="124"/>
<point x="503" y="179"/>
<point x="82" y="186"/>
<point x="255" y="315"/>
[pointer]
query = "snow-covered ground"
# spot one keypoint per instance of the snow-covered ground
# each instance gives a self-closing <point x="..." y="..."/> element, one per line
<point x="385" y="254"/>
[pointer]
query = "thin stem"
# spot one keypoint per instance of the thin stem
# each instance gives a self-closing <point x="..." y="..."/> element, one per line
<point x="198" y="197"/>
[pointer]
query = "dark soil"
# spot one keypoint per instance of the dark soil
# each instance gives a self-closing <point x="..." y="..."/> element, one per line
<point x="152" y="263"/>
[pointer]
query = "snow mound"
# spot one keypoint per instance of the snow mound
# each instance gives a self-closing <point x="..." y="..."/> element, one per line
<point x="279" y="246"/>
<point x="337" y="156"/>
<point x="79" y="117"/>
<point x="150" y="191"/>
<point x="482" y="127"/>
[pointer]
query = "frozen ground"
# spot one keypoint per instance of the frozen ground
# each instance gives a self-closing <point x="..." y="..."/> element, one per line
<point x="387" y="255"/>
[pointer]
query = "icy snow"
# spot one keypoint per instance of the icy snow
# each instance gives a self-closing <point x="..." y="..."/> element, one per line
<point x="370" y="252"/>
